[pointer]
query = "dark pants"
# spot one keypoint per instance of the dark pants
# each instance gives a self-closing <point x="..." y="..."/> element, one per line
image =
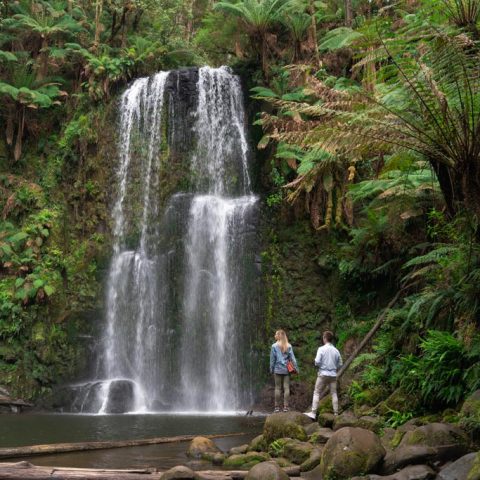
<point x="279" y="381"/>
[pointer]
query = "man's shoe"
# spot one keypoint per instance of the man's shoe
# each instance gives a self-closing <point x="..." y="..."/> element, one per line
<point x="310" y="414"/>
<point x="286" y="409"/>
<point x="277" y="410"/>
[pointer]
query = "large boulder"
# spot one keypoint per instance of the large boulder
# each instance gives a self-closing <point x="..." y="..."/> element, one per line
<point x="202" y="447"/>
<point x="351" y="451"/>
<point x="429" y="443"/>
<point x="120" y="397"/>
<point x="266" y="471"/>
<point x="287" y="424"/>
<point x="465" y="468"/>
<point x="179" y="473"/>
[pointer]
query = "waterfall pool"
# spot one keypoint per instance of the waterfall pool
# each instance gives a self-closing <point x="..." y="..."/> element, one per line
<point x="35" y="429"/>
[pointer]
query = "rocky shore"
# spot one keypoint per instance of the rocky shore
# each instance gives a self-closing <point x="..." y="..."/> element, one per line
<point x="350" y="446"/>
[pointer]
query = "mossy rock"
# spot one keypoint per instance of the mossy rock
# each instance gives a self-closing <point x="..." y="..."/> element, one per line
<point x="346" y="419"/>
<point x="288" y="424"/>
<point x="283" y="462"/>
<point x="326" y="420"/>
<point x="325" y="405"/>
<point x="266" y="471"/>
<point x="368" y="398"/>
<point x="246" y="460"/>
<point x="471" y="406"/>
<point x="435" y="435"/>
<point x="312" y="461"/>
<point x="469" y="417"/>
<point x="258" y="444"/>
<point x="396" y="439"/>
<point x="351" y="451"/>
<point x="399" y="401"/>
<point x="311" y="429"/>
<point x="372" y="423"/>
<point x="202" y="447"/>
<point x="297" y="451"/>
<point x="465" y="468"/>
<point x="238" y="450"/>
<point x="321" y="436"/>
<point x="180" y="473"/>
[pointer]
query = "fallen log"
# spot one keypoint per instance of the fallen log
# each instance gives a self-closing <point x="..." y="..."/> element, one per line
<point x="26" y="471"/>
<point x="48" y="449"/>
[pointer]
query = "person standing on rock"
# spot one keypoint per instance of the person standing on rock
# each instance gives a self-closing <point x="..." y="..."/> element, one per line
<point x="328" y="361"/>
<point x="280" y="355"/>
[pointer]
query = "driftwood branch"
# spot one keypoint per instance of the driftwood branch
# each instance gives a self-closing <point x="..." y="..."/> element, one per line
<point x="25" y="470"/>
<point x="28" y="451"/>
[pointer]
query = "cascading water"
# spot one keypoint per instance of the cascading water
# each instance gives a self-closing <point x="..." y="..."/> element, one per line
<point x="181" y="286"/>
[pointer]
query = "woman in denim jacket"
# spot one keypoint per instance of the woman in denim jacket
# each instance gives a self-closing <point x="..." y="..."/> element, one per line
<point x="280" y="354"/>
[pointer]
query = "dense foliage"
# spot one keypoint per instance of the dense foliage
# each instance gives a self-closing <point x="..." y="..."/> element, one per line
<point x="370" y="119"/>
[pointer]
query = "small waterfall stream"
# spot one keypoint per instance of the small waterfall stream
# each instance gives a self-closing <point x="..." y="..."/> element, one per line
<point x="181" y="295"/>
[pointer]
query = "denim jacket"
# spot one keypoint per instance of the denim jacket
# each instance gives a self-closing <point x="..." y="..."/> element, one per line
<point x="278" y="360"/>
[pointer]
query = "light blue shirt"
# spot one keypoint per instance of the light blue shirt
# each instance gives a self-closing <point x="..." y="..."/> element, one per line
<point x="328" y="360"/>
<point x="279" y="359"/>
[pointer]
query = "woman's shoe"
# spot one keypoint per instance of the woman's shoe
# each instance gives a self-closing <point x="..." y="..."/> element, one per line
<point x="286" y="409"/>
<point x="277" y="410"/>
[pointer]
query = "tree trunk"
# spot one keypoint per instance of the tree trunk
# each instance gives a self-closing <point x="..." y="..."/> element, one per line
<point x="450" y="187"/>
<point x="348" y="13"/>
<point x="311" y="8"/>
<point x="98" y="25"/>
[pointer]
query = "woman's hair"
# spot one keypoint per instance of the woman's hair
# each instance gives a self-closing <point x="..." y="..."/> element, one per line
<point x="282" y="340"/>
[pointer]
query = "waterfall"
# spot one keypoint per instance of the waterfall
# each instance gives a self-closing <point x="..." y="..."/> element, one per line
<point x="180" y="296"/>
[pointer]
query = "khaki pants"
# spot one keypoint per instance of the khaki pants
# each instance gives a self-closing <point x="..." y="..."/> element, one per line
<point x="321" y="384"/>
<point x="279" y="381"/>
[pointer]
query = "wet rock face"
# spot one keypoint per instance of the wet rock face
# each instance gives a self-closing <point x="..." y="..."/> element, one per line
<point x="182" y="97"/>
<point x="120" y="397"/>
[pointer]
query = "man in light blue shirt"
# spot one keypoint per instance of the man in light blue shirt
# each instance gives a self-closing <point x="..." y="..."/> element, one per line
<point x="328" y="361"/>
